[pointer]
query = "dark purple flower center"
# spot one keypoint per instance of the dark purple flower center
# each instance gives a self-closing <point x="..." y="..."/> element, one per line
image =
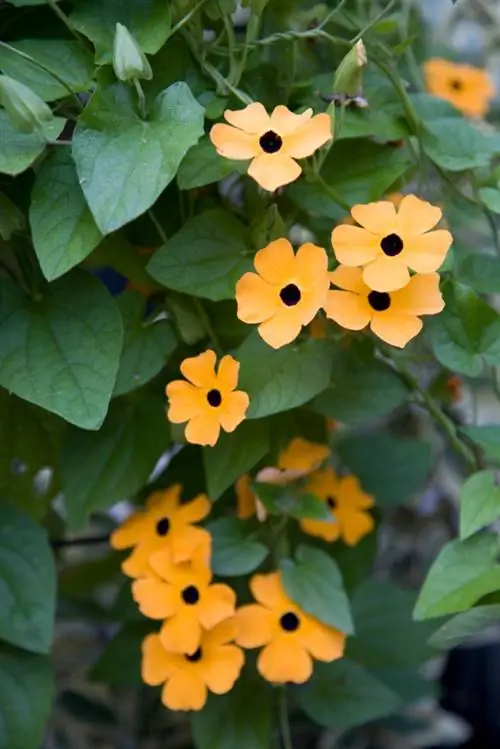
<point x="190" y="595"/>
<point x="290" y="295"/>
<point x="289" y="621"/>
<point x="214" y="398"/>
<point x="379" y="300"/>
<point x="270" y="142"/>
<point x="392" y="245"/>
<point x="163" y="526"/>
<point x="194" y="657"/>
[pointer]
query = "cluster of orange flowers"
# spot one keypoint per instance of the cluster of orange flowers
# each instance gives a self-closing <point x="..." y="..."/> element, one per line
<point x="199" y="647"/>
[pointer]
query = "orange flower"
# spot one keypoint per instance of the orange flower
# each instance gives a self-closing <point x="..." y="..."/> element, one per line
<point x="290" y="636"/>
<point x="183" y="595"/>
<point x="392" y="241"/>
<point x="271" y="141"/>
<point x="208" y="401"/>
<point x="468" y="88"/>
<point x="348" y="504"/>
<point x="164" y="523"/>
<point x="392" y="317"/>
<point x="246" y="499"/>
<point x="297" y="460"/>
<point x="214" y="666"/>
<point x="285" y="293"/>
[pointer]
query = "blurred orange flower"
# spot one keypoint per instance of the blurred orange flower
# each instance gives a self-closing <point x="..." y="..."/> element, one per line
<point x="468" y="88"/>
<point x="297" y="460"/>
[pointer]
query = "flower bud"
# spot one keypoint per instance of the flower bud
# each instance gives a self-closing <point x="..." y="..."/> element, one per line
<point x="129" y="61"/>
<point x="25" y="108"/>
<point x="349" y="75"/>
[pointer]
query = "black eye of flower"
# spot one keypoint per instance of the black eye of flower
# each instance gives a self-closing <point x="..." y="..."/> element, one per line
<point x="194" y="657"/>
<point x="270" y="142"/>
<point x="330" y="501"/>
<point x="379" y="300"/>
<point x="456" y="84"/>
<point x="214" y="398"/>
<point x="290" y="295"/>
<point x="190" y="595"/>
<point x="163" y="526"/>
<point x="289" y="621"/>
<point x="392" y="245"/>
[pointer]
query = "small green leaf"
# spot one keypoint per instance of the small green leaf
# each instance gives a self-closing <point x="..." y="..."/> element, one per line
<point x="479" y="503"/>
<point x="314" y="582"/>
<point x="342" y="695"/>
<point x="27" y="583"/>
<point x="202" y="165"/>
<point x="488" y="439"/>
<point x="463" y="572"/>
<point x="61" y="352"/>
<point x="491" y="198"/>
<point x="124" y="163"/>
<point x="480" y="272"/>
<point x="205" y="258"/>
<point x="120" y="663"/>
<point x="26" y="687"/>
<point x="235" y="549"/>
<point x="278" y="380"/>
<point x="63" y="229"/>
<point x="100" y="468"/>
<point x="233" y="455"/>
<point x="454" y="144"/>
<point x="19" y="150"/>
<point x="463" y="626"/>
<point x="279" y="500"/>
<point x="146" y="344"/>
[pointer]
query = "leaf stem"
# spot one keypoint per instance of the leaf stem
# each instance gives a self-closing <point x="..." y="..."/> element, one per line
<point x="158" y="226"/>
<point x="141" y="98"/>
<point x="64" y="18"/>
<point x="286" y="733"/>
<point x="207" y="325"/>
<point x="330" y="191"/>
<point x="186" y="18"/>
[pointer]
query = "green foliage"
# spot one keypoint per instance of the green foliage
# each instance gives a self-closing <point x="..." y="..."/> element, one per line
<point x="19" y="150"/>
<point x="463" y="626"/>
<point x="236" y="550"/>
<point x="479" y="503"/>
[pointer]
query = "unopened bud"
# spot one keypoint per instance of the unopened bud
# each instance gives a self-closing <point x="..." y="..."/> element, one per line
<point x="349" y="75"/>
<point x="129" y="61"/>
<point x="26" y="110"/>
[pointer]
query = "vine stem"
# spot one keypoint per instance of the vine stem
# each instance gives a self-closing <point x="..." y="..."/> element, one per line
<point x="64" y="18"/>
<point x="186" y="18"/>
<point x="286" y="733"/>
<point x="60" y="543"/>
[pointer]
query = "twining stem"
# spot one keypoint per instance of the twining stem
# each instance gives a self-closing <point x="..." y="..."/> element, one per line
<point x="141" y="98"/>
<point x="186" y="18"/>
<point x="158" y="226"/>
<point x="64" y="18"/>
<point x="207" y="325"/>
<point x="330" y="191"/>
<point x="286" y="733"/>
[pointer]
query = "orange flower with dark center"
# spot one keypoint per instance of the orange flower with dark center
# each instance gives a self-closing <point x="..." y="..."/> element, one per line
<point x="165" y="523"/>
<point x="271" y="141"/>
<point x="209" y="400"/>
<point x="392" y="317"/>
<point x="348" y="504"/>
<point x="286" y="292"/>
<point x="214" y="666"/>
<point x="291" y="638"/>
<point x="468" y="88"/>
<point x="183" y="595"/>
<point x="298" y="459"/>
<point x="388" y="242"/>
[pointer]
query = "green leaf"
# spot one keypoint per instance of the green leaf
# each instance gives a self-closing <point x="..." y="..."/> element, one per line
<point x="233" y="455"/>
<point x="430" y="107"/>
<point x="202" y="165"/>
<point x="391" y="468"/>
<point x="63" y="229"/>
<point x="455" y="145"/>
<point x="488" y="439"/>
<point x="120" y="663"/>
<point x="146" y="344"/>
<point x="61" y="351"/>
<point x="479" y="503"/>
<point x="26" y="688"/>
<point x="68" y="59"/>
<point x="100" y="468"/>
<point x="235" y="549"/>
<point x="315" y="583"/>
<point x="148" y="21"/>
<point x="205" y="258"/>
<point x="343" y="695"/>
<point x="466" y="332"/>
<point x="124" y="163"/>
<point x="11" y="218"/>
<point x="279" y="500"/>
<point x="463" y="572"/>
<point x="463" y="626"/>
<point x="491" y="198"/>
<point x="363" y="395"/>
<point x="27" y="582"/>
<point x="241" y="719"/>
<point x="19" y="150"/>
<point x="279" y="380"/>
<point x="364" y="123"/>
<point x="480" y="272"/>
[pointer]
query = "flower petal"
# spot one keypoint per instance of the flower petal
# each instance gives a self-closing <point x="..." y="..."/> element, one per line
<point x="309" y="137"/>
<point x="233" y="143"/>
<point x="246" y="504"/>
<point x="355" y="524"/>
<point x="233" y="410"/>
<point x="271" y="171"/>
<point x="396" y="328"/>
<point x="350" y="494"/>
<point x="284" y="661"/>
<point x="323" y="643"/>
<point x="222" y="668"/>
<point x="185" y="401"/>
<point x="218" y="603"/>
<point x="227" y="374"/>
<point x="203" y="429"/>
<point x="182" y="632"/>
<point x="194" y="510"/>
<point x="354" y="246"/>
<point x="157" y="664"/>
<point x="378" y="218"/>
<point x="185" y="690"/>
<point x="427" y="253"/>
<point x="416" y="216"/>
<point x="156" y="599"/>
<point x="328" y="531"/>
<point x="350" y="279"/>
<point x="221" y="634"/>
<point x="276" y="262"/>
<point x="311" y="266"/>
<point x="283" y="328"/>
<point x="185" y="542"/>
<point x="257" y="300"/>
<point x="200" y="370"/>
<point x="269" y="591"/>
<point x="285" y="122"/>
<point x="130" y="532"/>
<point x="420" y="297"/>
<point x="302" y="455"/>
<point x="386" y="274"/>
<point x="251" y="119"/>
<point x="255" y="626"/>
<point x="352" y="311"/>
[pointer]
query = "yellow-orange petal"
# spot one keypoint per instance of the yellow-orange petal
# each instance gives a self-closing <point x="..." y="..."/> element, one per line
<point x="302" y="455"/>
<point x="157" y="664"/>
<point x="283" y="328"/>
<point x="269" y="591"/>
<point x="200" y="370"/>
<point x="246" y="504"/>
<point x="233" y="143"/>
<point x="284" y="122"/>
<point x="356" y="525"/>
<point x="181" y="633"/>
<point x="354" y="246"/>
<point x="378" y="218"/>
<point x="155" y="599"/>
<point x="386" y="274"/>
<point x="185" y="690"/>
<point x="323" y="643"/>
<point x="194" y="510"/>
<point x="416" y="216"/>
<point x="251" y="119"/>
<point x="222" y="668"/>
<point x="185" y="401"/>
<point x="311" y="266"/>
<point x="222" y="634"/>
<point x="227" y="374"/>
<point x="284" y="661"/>
<point x="396" y="328"/>
<point x="218" y="604"/>
<point x="257" y="300"/>
<point x="275" y="170"/>
<point x="129" y="533"/>
<point x="276" y="262"/>
<point x="233" y="410"/>
<point x="422" y="296"/>
<point x="427" y="253"/>
<point x="349" y="310"/>
<point x="255" y="625"/>
<point x="328" y="531"/>
<point x="203" y="429"/>
<point x="309" y="137"/>
<point x="349" y="279"/>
